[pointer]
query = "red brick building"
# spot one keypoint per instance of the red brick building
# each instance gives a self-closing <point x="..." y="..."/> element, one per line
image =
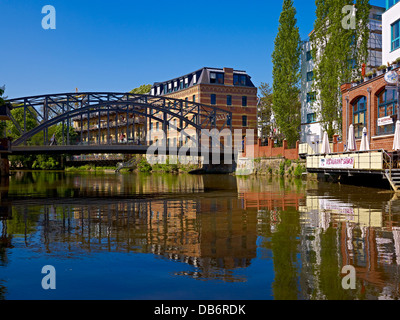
<point x="224" y="88"/>
<point x="371" y="104"/>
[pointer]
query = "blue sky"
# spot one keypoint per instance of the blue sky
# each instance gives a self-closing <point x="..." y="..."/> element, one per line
<point x="119" y="45"/>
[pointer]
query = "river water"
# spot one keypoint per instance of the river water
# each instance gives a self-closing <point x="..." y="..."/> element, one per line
<point x="172" y="237"/>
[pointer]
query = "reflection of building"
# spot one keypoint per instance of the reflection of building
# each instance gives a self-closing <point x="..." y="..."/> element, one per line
<point x="366" y="238"/>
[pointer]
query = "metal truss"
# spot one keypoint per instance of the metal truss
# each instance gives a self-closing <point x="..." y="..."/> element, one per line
<point x="53" y="109"/>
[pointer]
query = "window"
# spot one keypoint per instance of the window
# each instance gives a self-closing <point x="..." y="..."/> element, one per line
<point x="390" y="3"/>
<point x="311" y="96"/>
<point x="309" y="55"/>
<point x="311" y="118"/>
<point x="217" y="78"/>
<point x="213" y="99"/>
<point x="244" y="101"/>
<point x="244" y="121"/>
<point x="239" y="80"/>
<point x="181" y="84"/>
<point x="359" y="116"/>
<point x="186" y="102"/>
<point x="387" y="102"/>
<point x="395" y="35"/>
<point x="157" y="126"/>
<point x="228" y="100"/>
<point x="194" y="98"/>
<point x="310" y="76"/>
<point x="195" y="79"/>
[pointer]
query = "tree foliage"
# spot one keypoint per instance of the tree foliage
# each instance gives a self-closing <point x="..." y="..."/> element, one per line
<point x="338" y="53"/>
<point x="265" y="109"/>
<point x="286" y="74"/>
<point x="143" y="89"/>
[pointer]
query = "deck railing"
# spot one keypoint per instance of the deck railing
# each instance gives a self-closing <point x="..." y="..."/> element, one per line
<point x="377" y="160"/>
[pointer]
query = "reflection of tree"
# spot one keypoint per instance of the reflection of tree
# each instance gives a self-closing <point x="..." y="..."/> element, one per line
<point x="3" y="291"/>
<point x="285" y="241"/>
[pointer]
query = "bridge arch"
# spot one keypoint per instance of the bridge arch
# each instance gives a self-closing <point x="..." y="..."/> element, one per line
<point x="49" y="110"/>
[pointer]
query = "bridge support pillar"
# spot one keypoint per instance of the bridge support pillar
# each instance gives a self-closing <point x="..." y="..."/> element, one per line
<point x="4" y="165"/>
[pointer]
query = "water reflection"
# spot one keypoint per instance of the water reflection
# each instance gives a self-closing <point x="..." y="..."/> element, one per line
<point x="218" y="226"/>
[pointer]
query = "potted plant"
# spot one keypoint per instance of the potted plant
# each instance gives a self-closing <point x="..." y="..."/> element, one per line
<point x="397" y="63"/>
<point x="382" y="69"/>
<point x="374" y="71"/>
<point x="369" y="75"/>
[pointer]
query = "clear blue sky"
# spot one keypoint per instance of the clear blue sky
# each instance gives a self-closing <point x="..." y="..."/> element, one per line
<point x="119" y="45"/>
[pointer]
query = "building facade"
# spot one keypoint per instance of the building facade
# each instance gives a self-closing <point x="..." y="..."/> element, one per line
<point x="311" y="129"/>
<point x="373" y="102"/>
<point x="225" y="88"/>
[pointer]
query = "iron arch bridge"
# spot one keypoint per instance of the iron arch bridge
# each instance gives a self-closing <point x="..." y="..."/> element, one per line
<point x="105" y="122"/>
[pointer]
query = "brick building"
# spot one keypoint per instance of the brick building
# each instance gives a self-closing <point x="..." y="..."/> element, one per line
<point x="225" y="88"/>
<point x="373" y="105"/>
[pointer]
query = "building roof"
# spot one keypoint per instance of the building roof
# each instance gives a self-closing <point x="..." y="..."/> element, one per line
<point x="201" y="76"/>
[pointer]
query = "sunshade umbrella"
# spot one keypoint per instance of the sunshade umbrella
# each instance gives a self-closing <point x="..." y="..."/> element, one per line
<point x="325" y="147"/>
<point x="364" y="141"/>
<point x="351" y="143"/>
<point x="396" y="142"/>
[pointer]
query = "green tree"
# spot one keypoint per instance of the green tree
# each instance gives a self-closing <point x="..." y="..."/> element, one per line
<point x="286" y="74"/>
<point x="339" y="53"/>
<point x="143" y="89"/>
<point x="265" y="109"/>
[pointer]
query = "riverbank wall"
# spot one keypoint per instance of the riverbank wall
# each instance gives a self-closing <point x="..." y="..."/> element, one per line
<point x="271" y="166"/>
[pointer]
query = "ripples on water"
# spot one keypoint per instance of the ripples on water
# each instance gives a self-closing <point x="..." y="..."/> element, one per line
<point x="195" y="237"/>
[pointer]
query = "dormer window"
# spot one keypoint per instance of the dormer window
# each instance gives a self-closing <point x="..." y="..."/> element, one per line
<point x="217" y="78"/>
<point x="239" y="80"/>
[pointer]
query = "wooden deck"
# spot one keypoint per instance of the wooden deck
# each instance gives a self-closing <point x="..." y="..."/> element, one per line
<point x="361" y="163"/>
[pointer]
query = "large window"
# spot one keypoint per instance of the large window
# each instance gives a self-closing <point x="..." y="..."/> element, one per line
<point x="387" y="101"/>
<point x="359" y="116"/>
<point x="390" y="3"/>
<point x="217" y="78"/>
<point x="239" y="80"/>
<point x="395" y="35"/>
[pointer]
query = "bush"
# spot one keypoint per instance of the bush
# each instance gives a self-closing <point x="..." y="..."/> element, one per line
<point x="144" y="166"/>
<point x="282" y="169"/>
<point x="298" y="172"/>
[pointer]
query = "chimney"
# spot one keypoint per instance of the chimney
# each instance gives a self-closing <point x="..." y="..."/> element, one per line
<point x="228" y="76"/>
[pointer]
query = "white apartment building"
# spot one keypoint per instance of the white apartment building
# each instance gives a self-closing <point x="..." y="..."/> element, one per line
<point x="391" y="32"/>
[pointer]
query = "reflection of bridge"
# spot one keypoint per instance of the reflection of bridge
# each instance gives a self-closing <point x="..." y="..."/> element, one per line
<point x="100" y="118"/>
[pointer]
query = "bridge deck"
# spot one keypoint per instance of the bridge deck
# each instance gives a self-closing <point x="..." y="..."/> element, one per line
<point x="121" y="149"/>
